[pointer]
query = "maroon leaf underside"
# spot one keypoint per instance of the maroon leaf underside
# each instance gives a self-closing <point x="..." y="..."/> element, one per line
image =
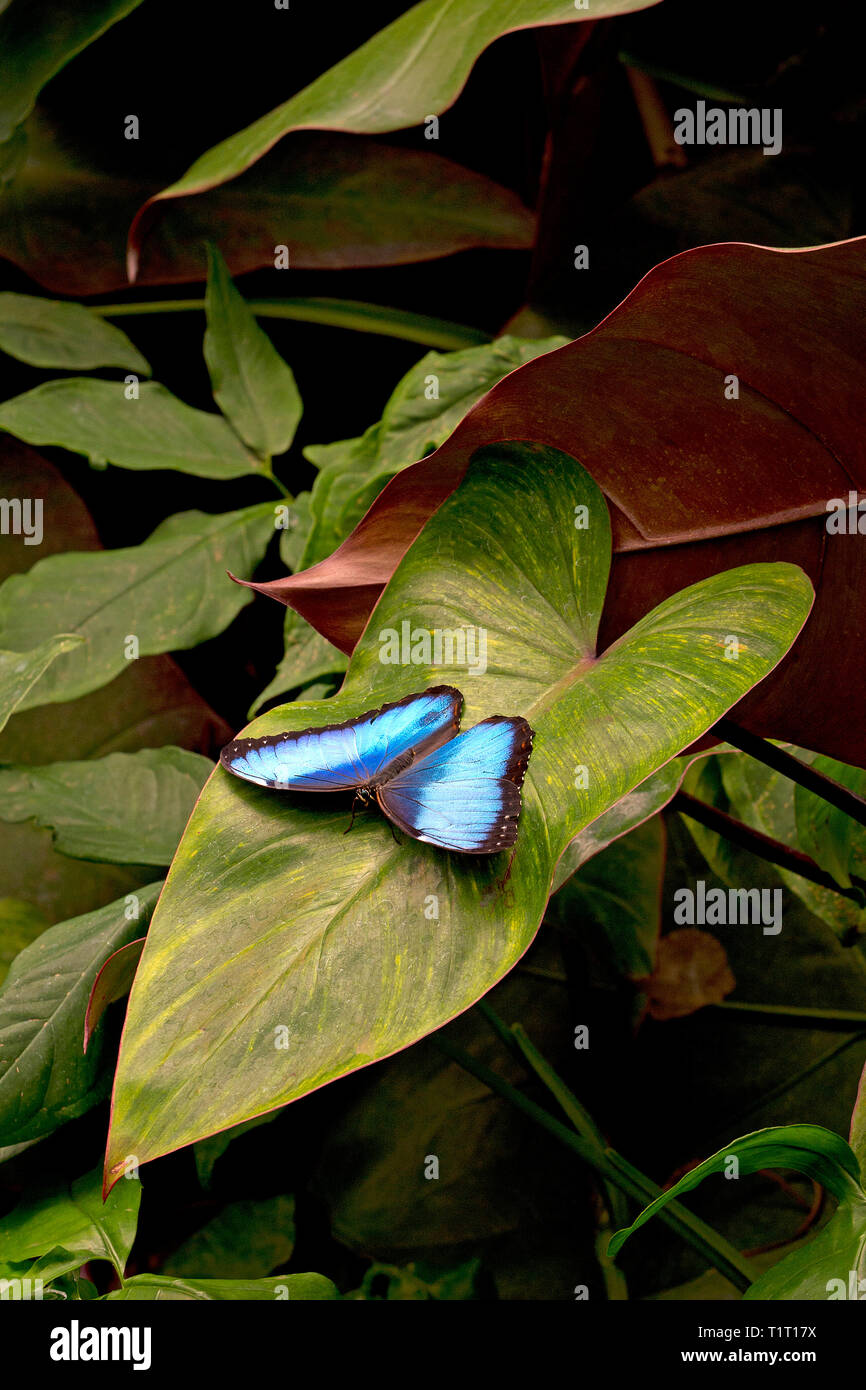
<point x="696" y="483"/>
<point x="336" y="200"/>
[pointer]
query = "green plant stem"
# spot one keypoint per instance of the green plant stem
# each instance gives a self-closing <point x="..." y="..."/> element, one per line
<point x="763" y="845"/>
<point x="335" y="313"/>
<point x="818" y="782"/>
<point x="679" y="79"/>
<point x="269" y="473"/>
<point x="714" y="1248"/>
<point x="843" y="1020"/>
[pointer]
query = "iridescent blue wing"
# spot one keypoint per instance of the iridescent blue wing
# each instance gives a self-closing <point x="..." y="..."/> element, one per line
<point x="466" y="795"/>
<point x="354" y="754"/>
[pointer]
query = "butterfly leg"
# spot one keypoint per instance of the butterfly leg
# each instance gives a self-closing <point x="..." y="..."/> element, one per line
<point x="355" y="800"/>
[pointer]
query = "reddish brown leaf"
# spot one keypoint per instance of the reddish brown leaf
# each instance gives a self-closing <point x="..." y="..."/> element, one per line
<point x="697" y="483"/>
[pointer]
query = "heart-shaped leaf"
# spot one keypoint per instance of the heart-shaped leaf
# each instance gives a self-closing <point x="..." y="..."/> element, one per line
<point x="128" y="808"/>
<point x="415" y="67"/>
<point x="168" y="593"/>
<point x="150" y="430"/>
<point x="284" y="953"/>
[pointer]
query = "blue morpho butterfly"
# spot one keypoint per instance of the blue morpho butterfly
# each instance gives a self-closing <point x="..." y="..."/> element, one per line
<point x="460" y="793"/>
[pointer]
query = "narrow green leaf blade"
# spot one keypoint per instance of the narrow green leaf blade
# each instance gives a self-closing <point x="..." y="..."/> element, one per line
<point x="127" y="808"/>
<point x="252" y="385"/>
<point x="809" y="1149"/>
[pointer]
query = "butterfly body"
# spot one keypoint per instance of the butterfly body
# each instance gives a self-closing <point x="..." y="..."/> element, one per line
<point x="458" y="791"/>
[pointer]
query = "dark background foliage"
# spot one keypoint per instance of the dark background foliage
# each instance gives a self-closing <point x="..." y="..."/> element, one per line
<point x="551" y="116"/>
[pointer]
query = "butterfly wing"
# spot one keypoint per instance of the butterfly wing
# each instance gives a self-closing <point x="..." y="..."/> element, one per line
<point x="466" y="795"/>
<point x="353" y="754"/>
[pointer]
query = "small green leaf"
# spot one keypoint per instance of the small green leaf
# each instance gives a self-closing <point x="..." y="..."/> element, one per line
<point x="150" y="1288"/>
<point x="149" y="431"/>
<point x="808" y="1149"/>
<point x="73" y="1215"/>
<point x="50" y="333"/>
<point x="826" y="833"/>
<point x="20" y="671"/>
<point x="113" y="982"/>
<point x="45" y="1077"/>
<point x="246" y="1240"/>
<point x="169" y="593"/>
<point x="252" y="385"/>
<point x="616" y="900"/>
<point x="127" y="808"/>
<point x="765" y="800"/>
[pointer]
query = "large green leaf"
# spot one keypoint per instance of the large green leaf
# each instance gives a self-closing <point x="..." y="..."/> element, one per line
<point x="20" y="671"/>
<point x="272" y="918"/>
<point x="252" y="385"/>
<point x="73" y="1215"/>
<point x="49" y="333"/>
<point x="152" y="1288"/>
<point x="169" y="593"/>
<point x="414" y="68"/>
<point x="152" y="430"/>
<point x="128" y="808"/>
<point x="45" y="1077"/>
<point x="37" y="39"/>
